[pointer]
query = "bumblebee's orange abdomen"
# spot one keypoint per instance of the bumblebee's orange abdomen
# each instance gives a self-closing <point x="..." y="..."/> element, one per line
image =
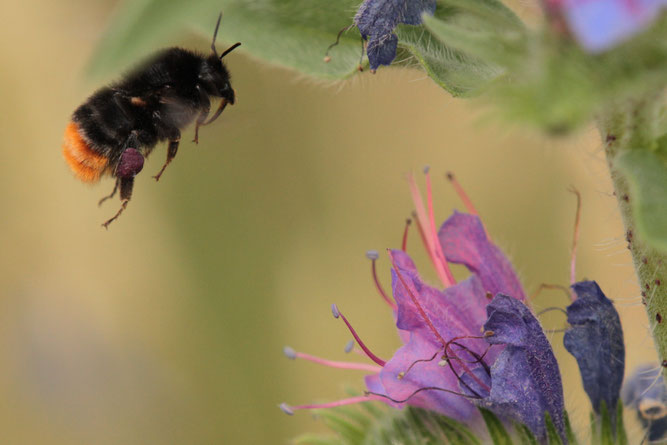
<point x="86" y="164"/>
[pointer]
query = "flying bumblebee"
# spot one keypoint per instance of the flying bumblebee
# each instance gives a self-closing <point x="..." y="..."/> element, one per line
<point x="119" y="125"/>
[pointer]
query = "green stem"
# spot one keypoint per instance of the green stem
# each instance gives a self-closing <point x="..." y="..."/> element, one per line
<point x="634" y="126"/>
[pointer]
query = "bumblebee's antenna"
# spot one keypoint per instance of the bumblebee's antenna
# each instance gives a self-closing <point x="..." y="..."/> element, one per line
<point x="230" y="49"/>
<point x="215" y="34"/>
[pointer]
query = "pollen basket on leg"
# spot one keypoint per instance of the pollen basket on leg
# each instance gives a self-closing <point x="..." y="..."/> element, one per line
<point x="86" y="164"/>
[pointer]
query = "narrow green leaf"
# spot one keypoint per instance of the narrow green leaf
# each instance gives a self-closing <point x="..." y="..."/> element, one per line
<point x="552" y="434"/>
<point x="647" y="176"/>
<point x="497" y="431"/>
<point x="525" y="435"/>
<point x="606" y="430"/>
<point x="621" y="436"/>
<point x="569" y="432"/>
<point x="459" y="434"/>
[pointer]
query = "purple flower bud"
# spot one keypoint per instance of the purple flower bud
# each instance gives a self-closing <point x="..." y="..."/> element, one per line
<point x="376" y="20"/>
<point x="596" y="341"/>
<point x="646" y="393"/>
<point x="525" y="379"/>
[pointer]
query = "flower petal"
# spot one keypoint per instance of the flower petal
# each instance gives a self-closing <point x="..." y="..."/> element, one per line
<point x="464" y="241"/>
<point x="422" y="375"/>
<point x="596" y="341"/>
<point x="458" y="310"/>
<point x="525" y="380"/>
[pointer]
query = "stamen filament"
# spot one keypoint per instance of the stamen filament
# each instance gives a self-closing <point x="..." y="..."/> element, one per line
<point x="361" y="344"/>
<point x="417" y="391"/>
<point x="431" y="217"/>
<point x="288" y="409"/>
<point x="372" y="255"/>
<point x="463" y="196"/>
<point x="404" y="243"/>
<point x="337" y="364"/>
<point x="427" y="234"/>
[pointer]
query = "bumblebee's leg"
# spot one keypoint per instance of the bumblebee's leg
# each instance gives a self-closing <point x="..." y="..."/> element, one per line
<point x="126" y="185"/>
<point x="206" y="108"/>
<point x="171" y="151"/>
<point x="113" y="193"/>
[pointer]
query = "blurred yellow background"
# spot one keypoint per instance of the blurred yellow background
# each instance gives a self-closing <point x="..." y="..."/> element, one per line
<point x="168" y="328"/>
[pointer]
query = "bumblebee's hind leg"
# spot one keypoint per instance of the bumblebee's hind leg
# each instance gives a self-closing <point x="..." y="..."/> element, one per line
<point x="174" y="140"/>
<point x="131" y="163"/>
<point x="126" y="185"/>
<point x="113" y="192"/>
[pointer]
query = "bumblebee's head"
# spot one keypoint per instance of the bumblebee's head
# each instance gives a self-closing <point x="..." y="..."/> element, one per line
<point x="215" y="79"/>
<point x="216" y="75"/>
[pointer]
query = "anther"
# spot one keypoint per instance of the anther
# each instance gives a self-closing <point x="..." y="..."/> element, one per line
<point x="443" y="363"/>
<point x="400" y="375"/>
<point x="327" y="59"/>
<point x="404" y="243"/>
<point x="289" y="353"/>
<point x="284" y="407"/>
<point x="372" y="255"/>
<point x="335" y="311"/>
<point x="489" y="334"/>
<point x="657" y="282"/>
<point x="664" y="363"/>
<point x="349" y="346"/>
<point x="658" y="317"/>
<point x="489" y="295"/>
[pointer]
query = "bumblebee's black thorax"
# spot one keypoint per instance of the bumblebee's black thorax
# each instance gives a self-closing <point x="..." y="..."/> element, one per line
<point x="152" y="102"/>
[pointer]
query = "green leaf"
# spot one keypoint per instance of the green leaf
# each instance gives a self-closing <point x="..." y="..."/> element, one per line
<point x="647" y="177"/>
<point x="552" y="434"/>
<point x="606" y="430"/>
<point x="496" y="429"/>
<point x="291" y="33"/>
<point x="621" y="436"/>
<point x="525" y="435"/>
<point x="569" y="432"/>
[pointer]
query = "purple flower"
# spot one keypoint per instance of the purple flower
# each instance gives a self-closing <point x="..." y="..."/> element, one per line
<point x="596" y="341"/>
<point x="525" y="380"/>
<point x="376" y="20"/>
<point x="445" y="365"/>
<point x="645" y="392"/>
<point x="599" y="25"/>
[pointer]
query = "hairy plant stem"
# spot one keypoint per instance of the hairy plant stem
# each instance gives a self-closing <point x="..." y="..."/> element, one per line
<point x="634" y="126"/>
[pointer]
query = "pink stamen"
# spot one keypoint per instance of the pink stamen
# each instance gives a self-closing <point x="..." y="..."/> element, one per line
<point x="429" y="235"/>
<point x="462" y="194"/>
<point x="404" y="244"/>
<point x="337" y="364"/>
<point x="288" y="409"/>
<point x="575" y="240"/>
<point x="438" y="247"/>
<point x="361" y="344"/>
<point x="373" y="256"/>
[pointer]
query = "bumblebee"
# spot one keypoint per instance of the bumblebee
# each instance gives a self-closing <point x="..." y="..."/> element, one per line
<point x="119" y="125"/>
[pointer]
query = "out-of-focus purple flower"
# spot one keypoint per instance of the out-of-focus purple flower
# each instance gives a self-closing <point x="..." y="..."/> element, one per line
<point x="645" y="392"/>
<point x="525" y="380"/>
<point x="596" y="341"/>
<point x="445" y="365"/>
<point x="376" y="20"/>
<point x="601" y="24"/>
